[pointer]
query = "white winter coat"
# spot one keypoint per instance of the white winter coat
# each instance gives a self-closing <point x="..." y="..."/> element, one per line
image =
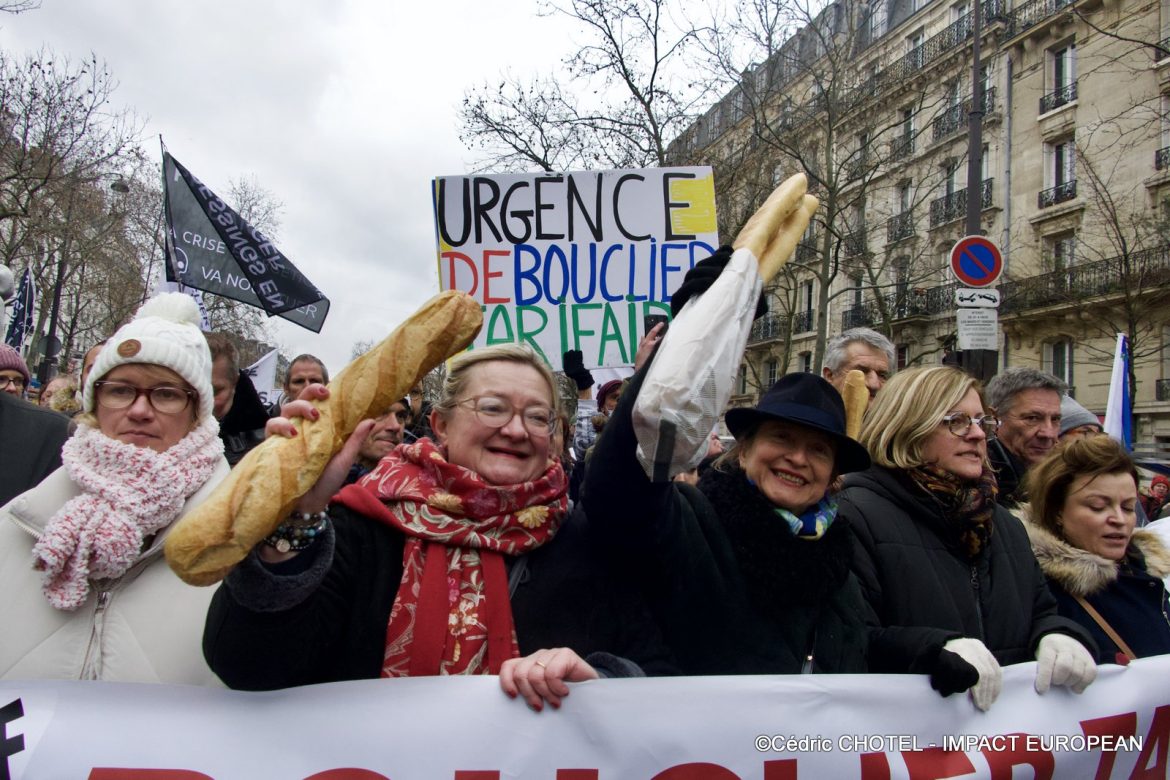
<point x="146" y="626"/>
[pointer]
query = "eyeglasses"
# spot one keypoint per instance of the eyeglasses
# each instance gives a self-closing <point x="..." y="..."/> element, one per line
<point x="960" y="423"/>
<point x="497" y="412"/>
<point x="11" y="381"/>
<point x="164" y="398"/>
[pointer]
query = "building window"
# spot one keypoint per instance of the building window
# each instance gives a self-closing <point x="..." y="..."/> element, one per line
<point x="1060" y="163"/>
<point x="1062" y="77"/>
<point x="1058" y="360"/>
<point x="770" y="371"/>
<point x="741" y="381"/>
<point x="877" y="20"/>
<point x="903" y="355"/>
<point x="1062" y="251"/>
<point x="959" y="11"/>
<point x="806" y="362"/>
<point x="855" y="283"/>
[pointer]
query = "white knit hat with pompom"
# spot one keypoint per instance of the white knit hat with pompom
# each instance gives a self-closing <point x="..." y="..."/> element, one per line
<point x="164" y="332"/>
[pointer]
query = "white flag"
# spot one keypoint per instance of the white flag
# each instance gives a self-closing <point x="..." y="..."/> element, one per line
<point x="263" y="376"/>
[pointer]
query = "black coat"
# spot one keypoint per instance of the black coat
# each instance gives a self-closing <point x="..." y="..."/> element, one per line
<point x="924" y="592"/>
<point x="1009" y="474"/>
<point x="30" y="445"/>
<point x="562" y="595"/>
<point x="242" y="428"/>
<point x="732" y="590"/>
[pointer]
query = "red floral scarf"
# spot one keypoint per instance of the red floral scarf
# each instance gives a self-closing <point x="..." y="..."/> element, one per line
<point x="452" y="614"/>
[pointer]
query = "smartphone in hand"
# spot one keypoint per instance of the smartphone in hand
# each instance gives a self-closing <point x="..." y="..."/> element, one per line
<point x="651" y="320"/>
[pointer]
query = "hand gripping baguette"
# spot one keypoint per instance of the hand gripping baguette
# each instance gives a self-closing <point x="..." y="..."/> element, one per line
<point x="856" y="397"/>
<point x="265" y="486"/>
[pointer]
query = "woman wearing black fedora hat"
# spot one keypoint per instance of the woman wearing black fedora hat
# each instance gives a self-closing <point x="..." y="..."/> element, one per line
<point x="747" y="573"/>
<point x="954" y="588"/>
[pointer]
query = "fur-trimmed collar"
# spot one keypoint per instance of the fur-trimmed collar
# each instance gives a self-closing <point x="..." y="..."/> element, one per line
<point x="1083" y="573"/>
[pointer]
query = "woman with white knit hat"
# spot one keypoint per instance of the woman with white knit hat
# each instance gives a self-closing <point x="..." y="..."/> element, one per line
<point x="87" y="592"/>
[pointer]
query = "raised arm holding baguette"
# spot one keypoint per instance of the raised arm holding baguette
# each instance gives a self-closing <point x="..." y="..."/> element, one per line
<point x="450" y="557"/>
<point x="745" y="573"/>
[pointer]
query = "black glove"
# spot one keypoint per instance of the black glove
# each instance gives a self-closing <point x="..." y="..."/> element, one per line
<point x="700" y="278"/>
<point x="951" y="674"/>
<point x="574" y="368"/>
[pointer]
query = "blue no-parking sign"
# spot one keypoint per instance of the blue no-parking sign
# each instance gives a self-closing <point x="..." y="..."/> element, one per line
<point x="976" y="261"/>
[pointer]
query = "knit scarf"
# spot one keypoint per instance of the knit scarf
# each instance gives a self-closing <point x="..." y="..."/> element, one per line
<point x="452" y="613"/>
<point x="814" y="522"/>
<point x="129" y="492"/>
<point x="967" y="506"/>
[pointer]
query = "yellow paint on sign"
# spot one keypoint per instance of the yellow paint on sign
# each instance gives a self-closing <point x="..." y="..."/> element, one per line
<point x="699" y="215"/>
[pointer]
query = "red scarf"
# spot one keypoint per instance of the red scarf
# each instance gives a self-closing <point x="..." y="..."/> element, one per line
<point x="452" y="613"/>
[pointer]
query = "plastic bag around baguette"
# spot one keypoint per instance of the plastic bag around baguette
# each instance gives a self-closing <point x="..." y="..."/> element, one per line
<point x="265" y="486"/>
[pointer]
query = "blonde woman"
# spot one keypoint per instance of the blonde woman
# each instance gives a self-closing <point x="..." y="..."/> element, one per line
<point x="954" y="590"/>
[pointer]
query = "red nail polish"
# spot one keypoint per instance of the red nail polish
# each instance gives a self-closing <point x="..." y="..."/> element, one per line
<point x="293" y="433"/>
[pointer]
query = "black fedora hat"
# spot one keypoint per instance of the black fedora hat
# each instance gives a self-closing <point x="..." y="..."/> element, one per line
<point x="808" y="400"/>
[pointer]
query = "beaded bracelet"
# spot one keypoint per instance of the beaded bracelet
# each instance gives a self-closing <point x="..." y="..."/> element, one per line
<point x="297" y="532"/>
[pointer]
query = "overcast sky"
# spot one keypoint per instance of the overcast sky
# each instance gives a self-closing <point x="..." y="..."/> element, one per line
<point x="344" y="110"/>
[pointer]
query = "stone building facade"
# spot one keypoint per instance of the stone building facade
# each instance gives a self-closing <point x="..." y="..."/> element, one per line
<point x="1075" y="184"/>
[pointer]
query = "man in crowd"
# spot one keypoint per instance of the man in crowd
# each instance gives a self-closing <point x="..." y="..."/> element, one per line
<point x="863" y="349"/>
<point x="241" y="413"/>
<point x="89" y="359"/>
<point x="1027" y="402"/>
<point x="14" y="374"/>
<point x="386" y="435"/>
<point x="31" y="445"/>
<point x="303" y="371"/>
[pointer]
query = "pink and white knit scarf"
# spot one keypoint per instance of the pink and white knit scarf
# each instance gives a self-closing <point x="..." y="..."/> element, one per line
<point x="130" y="493"/>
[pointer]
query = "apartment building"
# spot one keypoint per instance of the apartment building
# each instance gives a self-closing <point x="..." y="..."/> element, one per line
<point x="872" y="100"/>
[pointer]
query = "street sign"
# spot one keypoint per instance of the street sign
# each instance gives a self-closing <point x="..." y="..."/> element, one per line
<point x="967" y="297"/>
<point x="978" y="328"/>
<point x="976" y="261"/>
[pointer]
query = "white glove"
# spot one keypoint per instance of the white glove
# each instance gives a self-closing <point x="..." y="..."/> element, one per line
<point x="1063" y="660"/>
<point x="986" y="691"/>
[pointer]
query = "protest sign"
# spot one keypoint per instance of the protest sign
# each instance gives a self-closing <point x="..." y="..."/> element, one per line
<point x="573" y="260"/>
<point x="865" y="727"/>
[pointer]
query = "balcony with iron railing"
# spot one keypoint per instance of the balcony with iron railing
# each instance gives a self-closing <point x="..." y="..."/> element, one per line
<point x="945" y="42"/>
<point x="1032" y="13"/>
<point x="954" y="205"/>
<point x="900" y="227"/>
<point x="1058" y="194"/>
<point x="901" y="147"/>
<point x="768" y="328"/>
<point x="803" y="322"/>
<point x="954" y="118"/>
<point x="1162" y="159"/>
<point x="854" y="244"/>
<point x="901" y="305"/>
<point x="1058" y="97"/>
<point x="1162" y="389"/>
<point x="1133" y="273"/>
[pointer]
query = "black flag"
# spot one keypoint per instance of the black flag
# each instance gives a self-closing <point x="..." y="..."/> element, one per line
<point x="211" y="248"/>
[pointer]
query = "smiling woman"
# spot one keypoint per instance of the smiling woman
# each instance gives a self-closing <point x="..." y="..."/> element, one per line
<point x="953" y="588"/>
<point x="87" y="592"/>
<point x="451" y="556"/>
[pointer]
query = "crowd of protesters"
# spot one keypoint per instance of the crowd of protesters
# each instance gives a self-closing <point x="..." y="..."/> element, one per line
<point x="485" y="531"/>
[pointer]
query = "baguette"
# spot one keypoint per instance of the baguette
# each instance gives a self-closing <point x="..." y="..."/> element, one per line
<point x="784" y="242"/>
<point x="265" y="486"/>
<point x="856" y="397"/>
<point x="761" y="228"/>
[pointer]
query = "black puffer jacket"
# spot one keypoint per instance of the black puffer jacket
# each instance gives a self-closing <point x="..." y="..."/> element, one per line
<point x="923" y="592"/>
<point x="732" y="590"/>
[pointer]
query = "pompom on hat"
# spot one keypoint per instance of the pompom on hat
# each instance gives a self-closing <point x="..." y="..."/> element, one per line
<point x="165" y="332"/>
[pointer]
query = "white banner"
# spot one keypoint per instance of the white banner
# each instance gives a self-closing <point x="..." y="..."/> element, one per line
<point x="836" y="727"/>
<point x="564" y="261"/>
<point x="263" y="376"/>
